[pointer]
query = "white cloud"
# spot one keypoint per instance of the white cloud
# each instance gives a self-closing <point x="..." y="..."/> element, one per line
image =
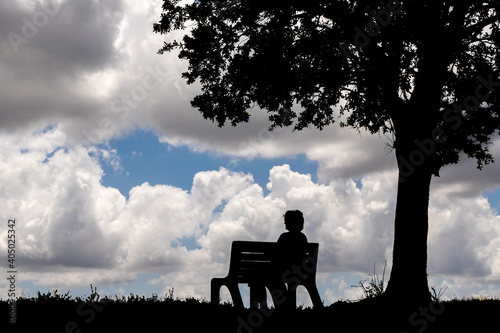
<point x="344" y="291"/>
<point x="97" y="75"/>
<point x="465" y="180"/>
<point x="56" y="204"/>
<point x="74" y="231"/>
<point x="109" y="85"/>
<point x="463" y="237"/>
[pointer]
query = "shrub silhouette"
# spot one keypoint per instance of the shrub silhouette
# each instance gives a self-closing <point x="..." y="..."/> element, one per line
<point x="55" y="312"/>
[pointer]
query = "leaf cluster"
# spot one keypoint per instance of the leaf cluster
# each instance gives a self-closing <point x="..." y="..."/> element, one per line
<point x="385" y="66"/>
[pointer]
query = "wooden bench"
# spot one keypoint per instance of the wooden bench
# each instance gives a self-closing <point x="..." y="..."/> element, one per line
<point x="250" y="263"/>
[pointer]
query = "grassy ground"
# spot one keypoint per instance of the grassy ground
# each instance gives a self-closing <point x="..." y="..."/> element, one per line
<point x="61" y="313"/>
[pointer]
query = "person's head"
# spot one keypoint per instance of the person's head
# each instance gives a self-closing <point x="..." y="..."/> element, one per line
<point x="294" y="220"/>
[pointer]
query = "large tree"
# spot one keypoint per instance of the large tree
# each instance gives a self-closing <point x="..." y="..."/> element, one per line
<point x="425" y="71"/>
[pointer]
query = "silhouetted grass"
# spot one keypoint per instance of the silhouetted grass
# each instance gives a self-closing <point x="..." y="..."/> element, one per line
<point x="55" y="312"/>
<point x="375" y="287"/>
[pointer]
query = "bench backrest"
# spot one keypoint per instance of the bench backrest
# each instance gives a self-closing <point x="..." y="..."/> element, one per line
<point x="249" y="260"/>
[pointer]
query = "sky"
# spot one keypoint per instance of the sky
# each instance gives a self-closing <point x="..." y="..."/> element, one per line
<point x="115" y="181"/>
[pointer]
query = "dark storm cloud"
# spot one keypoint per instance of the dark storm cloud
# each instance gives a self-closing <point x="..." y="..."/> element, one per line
<point x="47" y="52"/>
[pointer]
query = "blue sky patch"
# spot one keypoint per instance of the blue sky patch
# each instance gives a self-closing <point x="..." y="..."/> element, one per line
<point x="143" y="158"/>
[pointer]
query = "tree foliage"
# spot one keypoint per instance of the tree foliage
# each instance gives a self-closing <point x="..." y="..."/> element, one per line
<point x="425" y="66"/>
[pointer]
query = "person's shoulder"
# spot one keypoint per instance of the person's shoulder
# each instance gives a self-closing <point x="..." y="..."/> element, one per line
<point x="303" y="237"/>
<point x="284" y="237"/>
<point x="292" y="237"/>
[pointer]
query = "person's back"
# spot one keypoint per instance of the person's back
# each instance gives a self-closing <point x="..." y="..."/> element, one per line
<point x="291" y="250"/>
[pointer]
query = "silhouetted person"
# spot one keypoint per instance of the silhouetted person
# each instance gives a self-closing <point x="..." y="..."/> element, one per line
<point x="292" y="244"/>
<point x="291" y="250"/>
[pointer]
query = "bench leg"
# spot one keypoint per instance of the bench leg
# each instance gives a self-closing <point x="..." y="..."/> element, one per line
<point x="291" y="301"/>
<point x="215" y="286"/>
<point x="235" y="295"/>
<point x="258" y="296"/>
<point x="314" y="294"/>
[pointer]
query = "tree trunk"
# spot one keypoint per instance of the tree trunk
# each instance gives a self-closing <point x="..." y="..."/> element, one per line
<point x="408" y="279"/>
<point x="415" y="124"/>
